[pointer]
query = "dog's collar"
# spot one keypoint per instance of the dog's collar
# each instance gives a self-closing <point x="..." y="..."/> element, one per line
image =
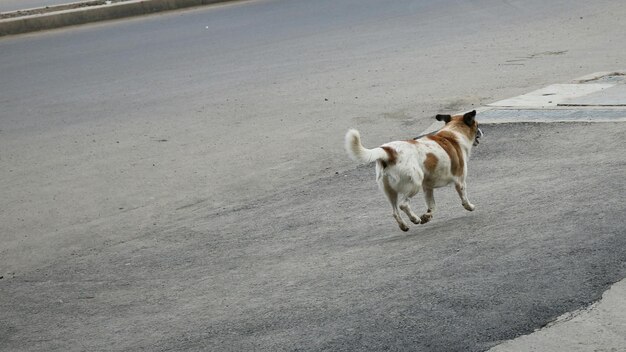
<point x="425" y="134"/>
<point x="479" y="134"/>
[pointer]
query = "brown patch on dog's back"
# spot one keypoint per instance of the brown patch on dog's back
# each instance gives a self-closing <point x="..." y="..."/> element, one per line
<point x="447" y="141"/>
<point x="392" y="156"/>
<point x="431" y="162"/>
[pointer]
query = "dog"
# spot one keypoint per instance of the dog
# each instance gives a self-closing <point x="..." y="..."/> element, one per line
<point x="403" y="168"/>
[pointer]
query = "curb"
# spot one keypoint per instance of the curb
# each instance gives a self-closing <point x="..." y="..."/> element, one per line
<point x="565" y="102"/>
<point x="58" y="19"/>
<point x="598" y="75"/>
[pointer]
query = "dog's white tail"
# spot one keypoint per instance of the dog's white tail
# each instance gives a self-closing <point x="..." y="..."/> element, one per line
<point x="359" y="153"/>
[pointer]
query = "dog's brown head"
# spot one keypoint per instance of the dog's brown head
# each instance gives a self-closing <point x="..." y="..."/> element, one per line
<point x="465" y="124"/>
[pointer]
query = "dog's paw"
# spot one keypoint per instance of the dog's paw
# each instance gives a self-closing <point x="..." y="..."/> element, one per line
<point x="415" y="220"/>
<point x="426" y="218"/>
<point x="469" y="206"/>
<point x="403" y="227"/>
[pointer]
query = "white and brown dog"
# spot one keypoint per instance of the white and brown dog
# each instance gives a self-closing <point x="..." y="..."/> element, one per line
<point x="403" y="168"/>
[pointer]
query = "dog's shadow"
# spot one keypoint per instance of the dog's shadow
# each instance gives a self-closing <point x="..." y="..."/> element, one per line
<point x="432" y="229"/>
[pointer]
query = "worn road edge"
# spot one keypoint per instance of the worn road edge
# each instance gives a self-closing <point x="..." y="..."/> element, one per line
<point x="84" y="15"/>
<point x="598" y="327"/>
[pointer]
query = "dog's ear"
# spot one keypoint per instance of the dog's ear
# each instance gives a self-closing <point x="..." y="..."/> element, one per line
<point x="444" y="118"/>
<point x="468" y="118"/>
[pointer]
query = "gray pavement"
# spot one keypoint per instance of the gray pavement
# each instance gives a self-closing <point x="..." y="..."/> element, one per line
<point x="600" y="326"/>
<point x="169" y="186"/>
<point x="322" y="267"/>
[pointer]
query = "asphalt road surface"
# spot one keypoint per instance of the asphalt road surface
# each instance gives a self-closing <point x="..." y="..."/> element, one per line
<point x="177" y="182"/>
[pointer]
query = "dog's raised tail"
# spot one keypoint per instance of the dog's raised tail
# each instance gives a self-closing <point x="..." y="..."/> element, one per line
<point x="359" y="153"/>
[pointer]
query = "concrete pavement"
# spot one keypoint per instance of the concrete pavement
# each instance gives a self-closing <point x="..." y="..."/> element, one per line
<point x="56" y="14"/>
<point x="268" y="284"/>
<point x="322" y="266"/>
<point x="175" y="269"/>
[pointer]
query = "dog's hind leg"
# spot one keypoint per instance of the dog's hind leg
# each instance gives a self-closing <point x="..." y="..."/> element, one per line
<point x="405" y="207"/>
<point x="401" y="223"/>
<point x="430" y="203"/>
<point x="392" y="195"/>
<point x="411" y="188"/>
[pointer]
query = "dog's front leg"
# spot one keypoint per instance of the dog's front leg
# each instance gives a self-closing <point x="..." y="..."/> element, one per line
<point x="430" y="203"/>
<point x="460" y="188"/>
